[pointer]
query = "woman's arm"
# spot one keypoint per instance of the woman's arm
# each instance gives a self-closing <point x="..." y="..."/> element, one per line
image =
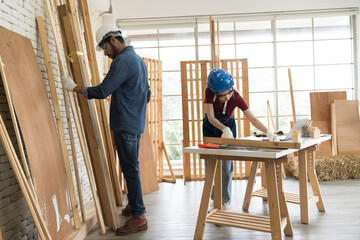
<point x="254" y="121"/>
<point x="210" y="114"/>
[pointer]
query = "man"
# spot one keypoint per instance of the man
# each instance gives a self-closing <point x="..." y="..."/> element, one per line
<point x="127" y="81"/>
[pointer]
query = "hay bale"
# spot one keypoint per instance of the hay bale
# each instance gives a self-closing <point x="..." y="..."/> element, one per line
<point x="339" y="167"/>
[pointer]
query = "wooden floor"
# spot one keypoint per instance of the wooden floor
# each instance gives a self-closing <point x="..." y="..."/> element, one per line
<point x="172" y="213"/>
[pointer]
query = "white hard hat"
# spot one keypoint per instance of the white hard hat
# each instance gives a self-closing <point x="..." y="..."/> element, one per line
<point x="104" y="32"/>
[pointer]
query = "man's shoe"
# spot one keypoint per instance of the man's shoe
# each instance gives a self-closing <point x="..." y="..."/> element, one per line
<point x="126" y="211"/>
<point x="135" y="224"/>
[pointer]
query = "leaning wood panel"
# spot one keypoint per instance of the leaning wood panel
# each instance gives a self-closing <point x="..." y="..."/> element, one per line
<point x="103" y="117"/>
<point x="348" y="138"/>
<point x="27" y="191"/>
<point x="321" y="117"/>
<point x="38" y="128"/>
<point x="59" y="123"/>
<point x="90" y="121"/>
<point x="347" y="125"/>
<point x="147" y="165"/>
<point x="320" y="104"/>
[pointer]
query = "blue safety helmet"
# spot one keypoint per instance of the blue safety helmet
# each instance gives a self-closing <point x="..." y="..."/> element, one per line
<point x="219" y="80"/>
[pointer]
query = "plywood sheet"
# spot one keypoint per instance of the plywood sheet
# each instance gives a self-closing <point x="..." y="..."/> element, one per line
<point x="347" y="126"/>
<point x="148" y="174"/>
<point x="346" y="110"/>
<point x="37" y="125"/>
<point x="320" y="104"/>
<point x="348" y="137"/>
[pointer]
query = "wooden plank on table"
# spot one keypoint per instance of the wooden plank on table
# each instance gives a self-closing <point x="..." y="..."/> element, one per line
<point x="252" y="143"/>
<point x="59" y="123"/>
<point x="91" y="122"/>
<point x="37" y="125"/>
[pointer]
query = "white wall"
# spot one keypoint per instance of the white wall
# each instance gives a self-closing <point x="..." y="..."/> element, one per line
<point x="171" y="8"/>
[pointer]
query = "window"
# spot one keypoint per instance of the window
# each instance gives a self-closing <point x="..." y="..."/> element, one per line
<point x="318" y="50"/>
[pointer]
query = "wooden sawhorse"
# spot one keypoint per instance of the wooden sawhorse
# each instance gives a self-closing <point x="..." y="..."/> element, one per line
<point x="306" y="160"/>
<point x="278" y="219"/>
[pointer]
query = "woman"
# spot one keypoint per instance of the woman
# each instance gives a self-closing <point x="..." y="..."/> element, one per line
<point x="220" y="100"/>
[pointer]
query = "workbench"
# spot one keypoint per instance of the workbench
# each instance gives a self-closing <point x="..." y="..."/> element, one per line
<point x="278" y="220"/>
<point x="306" y="161"/>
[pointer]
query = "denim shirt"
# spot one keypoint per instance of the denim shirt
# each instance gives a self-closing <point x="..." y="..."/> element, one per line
<point x="127" y="81"/>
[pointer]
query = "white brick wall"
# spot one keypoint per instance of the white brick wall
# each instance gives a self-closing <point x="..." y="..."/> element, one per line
<point x="19" y="16"/>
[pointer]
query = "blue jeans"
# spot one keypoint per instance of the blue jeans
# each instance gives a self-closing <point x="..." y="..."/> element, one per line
<point x="227" y="165"/>
<point x="127" y="145"/>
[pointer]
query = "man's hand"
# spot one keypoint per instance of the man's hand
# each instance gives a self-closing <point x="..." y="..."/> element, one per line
<point x="227" y="133"/>
<point x="68" y="83"/>
<point x="272" y="136"/>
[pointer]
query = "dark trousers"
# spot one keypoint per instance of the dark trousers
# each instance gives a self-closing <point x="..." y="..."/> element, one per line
<point x="127" y="145"/>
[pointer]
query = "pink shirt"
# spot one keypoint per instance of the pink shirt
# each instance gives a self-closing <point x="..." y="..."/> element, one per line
<point x="235" y="101"/>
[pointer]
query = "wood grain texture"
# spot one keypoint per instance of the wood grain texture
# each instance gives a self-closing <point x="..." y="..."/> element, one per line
<point x="148" y="174"/>
<point x="321" y="115"/>
<point x="320" y="104"/>
<point x="38" y="128"/>
<point x="347" y="125"/>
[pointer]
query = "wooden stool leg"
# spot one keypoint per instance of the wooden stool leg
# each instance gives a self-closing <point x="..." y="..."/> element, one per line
<point x="283" y="207"/>
<point x="273" y="200"/>
<point x="218" y="186"/>
<point x="250" y="185"/>
<point x="263" y="176"/>
<point x="304" y="203"/>
<point x="313" y="178"/>
<point x="205" y="199"/>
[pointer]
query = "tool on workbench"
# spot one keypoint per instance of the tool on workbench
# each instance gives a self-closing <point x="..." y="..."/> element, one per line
<point x="211" y="145"/>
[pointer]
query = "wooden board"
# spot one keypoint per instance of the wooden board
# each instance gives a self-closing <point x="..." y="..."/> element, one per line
<point x="38" y="128"/>
<point x="321" y="117"/>
<point x="252" y="143"/>
<point x="346" y="110"/>
<point x="320" y="104"/>
<point x="347" y="126"/>
<point x="348" y="137"/>
<point x="148" y="174"/>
